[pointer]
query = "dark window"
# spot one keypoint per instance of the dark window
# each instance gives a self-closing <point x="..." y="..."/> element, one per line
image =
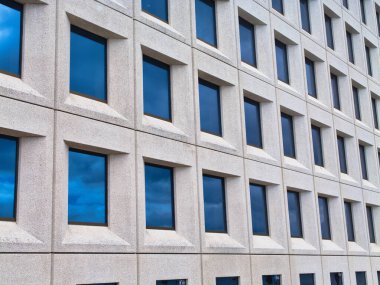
<point x="253" y="123"/>
<point x="369" y="61"/>
<point x="271" y="279"/>
<point x="349" y="221"/>
<point x="378" y="22"/>
<point x="156" y="87"/>
<point x="362" y="11"/>
<point x="345" y="3"/>
<point x="361" y="278"/>
<point x="87" y="188"/>
<point x="335" y="91"/>
<point x="317" y="145"/>
<point x="171" y="282"/>
<point x="329" y="32"/>
<point x="209" y="101"/>
<point x="88" y="64"/>
<point x="206" y="21"/>
<point x="159" y="197"/>
<point x="227" y="280"/>
<point x="305" y="15"/>
<point x="157" y="8"/>
<point x="295" y="219"/>
<point x="342" y="154"/>
<point x="363" y="162"/>
<point x="378" y="277"/>
<point x="11" y="37"/>
<point x="371" y="227"/>
<point x="324" y="217"/>
<point x="8" y="177"/>
<point x="355" y="93"/>
<point x="247" y="42"/>
<point x="288" y="135"/>
<point x="282" y="62"/>
<point x="101" y="284"/>
<point x="310" y="77"/>
<point x="375" y="114"/>
<point x="259" y="211"/>
<point x="278" y="6"/>
<point x="214" y="204"/>
<point x="307" y="279"/>
<point x="350" y="47"/>
<point x="336" y="278"/>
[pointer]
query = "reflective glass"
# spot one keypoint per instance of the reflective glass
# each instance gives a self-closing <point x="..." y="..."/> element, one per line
<point x="8" y="177"/>
<point x="209" y="101"/>
<point x="310" y="78"/>
<point x="361" y="278"/>
<point x="295" y="219"/>
<point x="214" y="204"/>
<point x="345" y="3"/>
<point x="88" y="64"/>
<point x="362" y="11"/>
<point x="342" y="154"/>
<point x="349" y="221"/>
<point x="227" y="280"/>
<point x="305" y="16"/>
<point x="371" y="228"/>
<point x="282" y="62"/>
<point x="206" y="21"/>
<point x="157" y="8"/>
<point x="288" y="135"/>
<point x="259" y="209"/>
<point x="247" y="42"/>
<point x="329" y="32"/>
<point x="87" y="188"/>
<point x="156" y="88"/>
<point x="336" y="278"/>
<point x="355" y="93"/>
<point x="363" y="162"/>
<point x="253" y="123"/>
<point x="307" y="279"/>
<point x="317" y="145"/>
<point x="335" y="91"/>
<point x="171" y="282"/>
<point x="278" y="6"/>
<point x="159" y="197"/>
<point x="375" y="114"/>
<point x="369" y="62"/>
<point x="324" y="217"/>
<point x="350" y="47"/>
<point x="271" y="279"/>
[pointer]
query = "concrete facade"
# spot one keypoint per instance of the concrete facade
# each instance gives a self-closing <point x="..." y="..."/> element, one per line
<point x="41" y="248"/>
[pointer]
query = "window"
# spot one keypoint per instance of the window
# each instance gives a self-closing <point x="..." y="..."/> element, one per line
<point x="336" y="278"/>
<point x="295" y="219"/>
<point x="369" y="61"/>
<point x="8" y="177"/>
<point x="305" y="15"/>
<point x="157" y="8"/>
<point x="209" y="101"/>
<point x="271" y="279"/>
<point x="259" y="211"/>
<point x="227" y="280"/>
<point x="288" y="135"/>
<point x="11" y="37"/>
<point x="375" y="114"/>
<point x="363" y="161"/>
<point x="324" y="217"/>
<point x="335" y="91"/>
<point x="102" y="284"/>
<point x="253" y="123"/>
<point x="214" y="204"/>
<point x="355" y="93"/>
<point x="329" y="32"/>
<point x="349" y="221"/>
<point x="206" y="21"/>
<point x="282" y="62"/>
<point x="307" y="279"/>
<point x="310" y="77"/>
<point x="278" y="6"/>
<point x="361" y="278"/>
<point x="87" y="188"/>
<point x="345" y="3"/>
<point x="247" y="42"/>
<point x="171" y="282"/>
<point x="88" y="64"/>
<point x="378" y="22"/>
<point x="362" y="11"/>
<point x="350" y="47"/>
<point x="378" y="277"/>
<point x="342" y="154"/>
<point x="156" y="87"/>
<point x="159" y="197"/>
<point x="371" y="227"/>
<point x="317" y="145"/>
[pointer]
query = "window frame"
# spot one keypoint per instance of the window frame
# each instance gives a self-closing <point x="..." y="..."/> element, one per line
<point x="363" y="16"/>
<point x="320" y="141"/>
<point x="371" y="224"/>
<point x="350" y="219"/>
<point x="155" y="16"/>
<point x="284" y="47"/>
<point x="268" y="231"/>
<point x="356" y="101"/>
<point x="306" y="274"/>
<point x="281" y="8"/>
<point x="293" y="136"/>
<point x="357" y="276"/>
<point x="329" y="32"/>
<point x="299" y="219"/>
<point x="340" y="274"/>
<point x="327" y="206"/>
<point x="311" y="64"/>
<point x="335" y="97"/>
<point x="251" y="27"/>
<point x="375" y="113"/>
<point x="216" y="42"/>
<point x="308" y="22"/>
<point x="368" y="60"/>
<point x="258" y="104"/>
<point x="233" y="278"/>
<point x="343" y="140"/>
<point x="350" y="47"/>
<point x="363" y="162"/>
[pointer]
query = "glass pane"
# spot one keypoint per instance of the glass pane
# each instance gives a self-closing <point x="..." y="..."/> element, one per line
<point x="295" y="220"/>
<point x="305" y="17"/>
<point x="355" y="93"/>
<point x="324" y="217"/>
<point x="87" y="188"/>
<point x="361" y="278"/>
<point x="307" y="279"/>
<point x="278" y="6"/>
<point x="156" y="86"/>
<point x="375" y="114"/>
<point x="363" y="162"/>
<point x="371" y="228"/>
<point x="282" y="62"/>
<point x="271" y="279"/>
<point x="157" y="8"/>
<point x="227" y="280"/>
<point x="253" y="123"/>
<point x="378" y="277"/>
<point x="329" y="32"/>
<point x="310" y="77"/>
<point x="247" y="42"/>
<point x="317" y="146"/>
<point x="209" y="101"/>
<point x="288" y="135"/>
<point x="350" y="47"/>
<point x="88" y="64"/>
<point x="378" y="22"/>
<point x="349" y="221"/>
<point x="369" y="62"/>
<point x="335" y="91"/>
<point x="336" y="278"/>
<point x="102" y="284"/>
<point x="159" y="197"/>
<point x="362" y="12"/>
<point x="345" y="3"/>
<point x="259" y="210"/>
<point x="342" y="155"/>
<point x="214" y="204"/>
<point x="171" y="282"/>
<point x="206" y="21"/>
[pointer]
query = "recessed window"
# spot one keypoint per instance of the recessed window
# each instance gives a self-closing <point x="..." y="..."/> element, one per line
<point x="307" y="279"/>
<point x="295" y="219"/>
<point x="369" y="61"/>
<point x="157" y="8"/>
<point x="336" y="278"/>
<point x="363" y="161"/>
<point x="271" y="279"/>
<point x="209" y="101"/>
<point x="206" y="21"/>
<point x="317" y="145"/>
<point x="253" y="123"/>
<point x="305" y="15"/>
<point x="227" y="280"/>
<point x="361" y="278"/>
<point x="288" y="135"/>
<point x="278" y="6"/>
<point x="349" y="221"/>
<point x="345" y="3"/>
<point x="342" y="154"/>
<point x="378" y="22"/>
<point x="247" y="42"/>
<point x="378" y="277"/>
<point x="159" y="197"/>
<point x="100" y="284"/>
<point x="362" y="12"/>
<point x="355" y="93"/>
<point x="214" y="204"/>
<point x="11" y="37"/>
<point x="371" y="226"/>
<point x="87" y="188"/>
<point x="172" y="282"/>
<point x="259" y="210"/>
<point x="335" y="91"/>
<point x="282" y="62"/>
<point x="324" y="217"/>
<point x="8" y="177"/>
<point x="156" y="87"/>
<point x="329" y="32"/>
<point x="375" y="114"/>
<point x="310" y="77"/>
<point x="350" y="47"/>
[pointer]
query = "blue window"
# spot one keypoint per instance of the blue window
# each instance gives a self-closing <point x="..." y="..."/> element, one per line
<point x="159" y="197"/>
<point x="271" y="279"/>
<point x="11" y="37"/>
<point x="371" y="227"/>
<point x="345" y="3"/>
<point x="206" y="21"/>
<point x="278" y="6"/>
<point x="295" y="219"/>
<point x="247" y="42"/>
<point x="259" y="210"/>
<point x="361" y="278"/>
<point x="349" y="221"/>
<point x="88" y="64"/>
<point x="253" y="123"/>
<point x="310" y="77"/>
<point x="363" y="162"/>
<point x="362" y="12"/>
<point x="214" y="204"/>
<point x="227" y="280"/>
<point x="87" y="188"/>
<point x="342" y="154"/>
<point x="375" y="114"/>
<point x="209" y="101"/>
<point x="329" y="32"/>
<point x="317" y="145"/>
<point x="282" y="62"/>
<point x="172" y="282"/>
<point x="305" y="15"/>
<point x="102" y="284"/>
<point x="156" y="86"/>
<point x="350" y="47"/>
<point x="157" y="8"/>
<point x="335" y="91"/>
<point x="369" y="61"/>
<point x="288" y="135"/>
<point x="355" y="93"/>
<point x="8" y="177"/>
<point x="336" y="278"/>
<point x="307" y="279"/>
<point x="324" y="217"/>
